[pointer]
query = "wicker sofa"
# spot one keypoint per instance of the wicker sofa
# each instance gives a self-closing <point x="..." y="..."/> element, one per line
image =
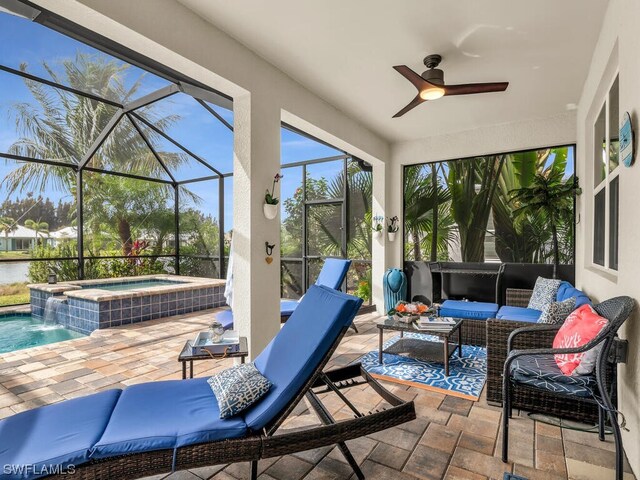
<point x="497" y="334"/>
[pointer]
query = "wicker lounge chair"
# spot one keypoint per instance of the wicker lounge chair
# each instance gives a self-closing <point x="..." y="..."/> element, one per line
<point x="161" y="427"/>
<point x="331" y="275"/>
<point x="536" y="368"/>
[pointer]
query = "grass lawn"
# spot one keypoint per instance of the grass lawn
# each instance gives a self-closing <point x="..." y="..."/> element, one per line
<point x="10" y="254"/>
<point x="14" y="294"/>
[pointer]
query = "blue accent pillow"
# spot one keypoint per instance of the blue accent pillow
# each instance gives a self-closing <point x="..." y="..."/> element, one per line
<point x="237" y="388"/>
<point x="544" y="293"/>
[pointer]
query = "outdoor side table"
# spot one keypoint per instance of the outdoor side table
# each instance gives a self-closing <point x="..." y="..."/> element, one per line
<point x="422" y="349"/>
<point x="186" y="356"/>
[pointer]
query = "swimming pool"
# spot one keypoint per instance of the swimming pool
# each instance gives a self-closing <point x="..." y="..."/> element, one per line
<point x="21" y="330"/>
<point x="124" y="285"/>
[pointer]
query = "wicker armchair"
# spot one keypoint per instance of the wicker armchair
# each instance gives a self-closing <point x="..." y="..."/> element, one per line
<point x="537" y="368"/>
<point x="523" y="397"/>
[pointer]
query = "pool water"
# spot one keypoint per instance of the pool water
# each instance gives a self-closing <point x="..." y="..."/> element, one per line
<point x="20" y="330"/>
<point x="131" y="285"/>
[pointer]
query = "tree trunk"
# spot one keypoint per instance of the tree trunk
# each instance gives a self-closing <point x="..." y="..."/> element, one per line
<point x="434" y="226"/>
<point x="124" y="231"/>
<point x="417" y="255"/>
<point x="556" y="257"/>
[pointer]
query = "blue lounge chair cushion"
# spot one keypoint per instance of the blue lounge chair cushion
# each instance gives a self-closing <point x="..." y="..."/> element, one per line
<point x="165" y="415"/>
<point x="225" y="318"/>
<point x="303" y="342"/>
<point x="472" y="310"/>
<point x="567" y="290"/>
<point x="519" y="314"/>
<point x="287" y="307"/>
<point x="333" y="272"/>
<point x="59" y="434"/>
<point x="542" y="371"/>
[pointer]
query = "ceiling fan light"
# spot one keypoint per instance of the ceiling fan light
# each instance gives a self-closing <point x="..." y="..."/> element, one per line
<point x="432" y="93"/>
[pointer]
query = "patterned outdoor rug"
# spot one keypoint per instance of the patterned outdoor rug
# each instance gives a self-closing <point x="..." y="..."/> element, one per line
<point x="467" y="374"/>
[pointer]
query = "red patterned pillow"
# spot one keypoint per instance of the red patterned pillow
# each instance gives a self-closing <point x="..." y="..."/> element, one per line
<point x="582" y="326"/>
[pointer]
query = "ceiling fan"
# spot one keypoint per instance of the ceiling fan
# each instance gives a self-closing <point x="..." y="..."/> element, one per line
<point x="431" y="84"/>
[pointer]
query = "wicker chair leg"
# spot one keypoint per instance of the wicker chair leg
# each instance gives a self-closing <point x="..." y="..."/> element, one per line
<point x="506" y="415"/>
<point x="601" y="415"/>
<point x="254" y="470"/>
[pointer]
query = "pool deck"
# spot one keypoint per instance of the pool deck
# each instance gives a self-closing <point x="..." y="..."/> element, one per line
<point x="452" y="438"/>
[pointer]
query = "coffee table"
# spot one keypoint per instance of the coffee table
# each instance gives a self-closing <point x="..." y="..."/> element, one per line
<point x="186" y="356"/>
<point x="426" y="350"/>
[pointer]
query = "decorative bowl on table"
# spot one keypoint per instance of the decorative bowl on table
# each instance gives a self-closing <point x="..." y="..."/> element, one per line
<point x="407" y="312"/>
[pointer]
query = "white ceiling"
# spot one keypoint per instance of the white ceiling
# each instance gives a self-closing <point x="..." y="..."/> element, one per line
<point x="343" y="50"/>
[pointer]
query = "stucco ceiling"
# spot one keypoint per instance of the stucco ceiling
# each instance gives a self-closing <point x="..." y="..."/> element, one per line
<point x="344" y="50"/>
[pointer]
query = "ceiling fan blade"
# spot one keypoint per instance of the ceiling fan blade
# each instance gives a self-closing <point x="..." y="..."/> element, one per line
<point x="471" y="88"/>
<point x="414" y="103"/>
<point x="417" y="81"/>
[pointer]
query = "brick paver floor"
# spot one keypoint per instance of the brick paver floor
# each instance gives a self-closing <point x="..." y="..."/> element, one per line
<point x="452" y="438"/>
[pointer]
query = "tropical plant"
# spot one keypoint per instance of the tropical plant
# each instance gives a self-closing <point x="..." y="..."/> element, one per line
<point x="62" y="126"/>
<point x="422" y="192"/>
<point x="473" y="184"/>
<point x="7" y="225"/>
<point x="38" y="227"/>
<point x="548" y="197"/>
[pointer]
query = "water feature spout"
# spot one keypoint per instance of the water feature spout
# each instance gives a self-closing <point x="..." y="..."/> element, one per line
<point x="56" y="310"/>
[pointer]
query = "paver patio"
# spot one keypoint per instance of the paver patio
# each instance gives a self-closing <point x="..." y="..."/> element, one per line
<point x="452" y="438"/>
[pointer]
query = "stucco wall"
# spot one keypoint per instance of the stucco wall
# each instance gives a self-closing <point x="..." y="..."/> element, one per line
<point x="617" y="50"/>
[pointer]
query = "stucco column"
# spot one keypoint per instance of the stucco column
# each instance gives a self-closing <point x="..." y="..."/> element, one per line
<point x="387" y="202"/>
<point x="256" y="283"/>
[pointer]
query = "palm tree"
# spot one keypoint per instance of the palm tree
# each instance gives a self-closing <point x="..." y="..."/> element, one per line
<point x="549" y="197"/>
<point x="62" y="126"/>
<point x="427" y="203"/>
<point x="37" y="227"/>
<point x="7" y="225"/>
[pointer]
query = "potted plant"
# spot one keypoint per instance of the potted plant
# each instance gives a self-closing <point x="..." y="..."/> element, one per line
<point x="377" y="226"/>
<point x="392" y="228"/>
<point x="270" y="206"/>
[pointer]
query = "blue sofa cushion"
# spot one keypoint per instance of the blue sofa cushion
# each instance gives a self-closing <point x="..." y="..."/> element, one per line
<point x="165" y="415"/>
<point x="225" y="317"/>
<point x="303" y="342"/>
<point x="519" y="314"/>
<point x="59" y="434"/>
<point x="333" y="272"/>
<point x="567" y="290"/>
<point x="473" y="310"/>
<point x="542" y="371"/>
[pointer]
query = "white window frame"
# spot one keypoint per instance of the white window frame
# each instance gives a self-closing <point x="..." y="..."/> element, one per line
<point x="609" y="176"/>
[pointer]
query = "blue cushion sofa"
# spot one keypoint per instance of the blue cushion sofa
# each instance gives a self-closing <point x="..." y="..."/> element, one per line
<point x="172" y="425"/>
<point x="331" y="275"/>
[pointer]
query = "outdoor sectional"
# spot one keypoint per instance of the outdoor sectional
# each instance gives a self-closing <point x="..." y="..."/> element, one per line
<point x="165" y="426"/>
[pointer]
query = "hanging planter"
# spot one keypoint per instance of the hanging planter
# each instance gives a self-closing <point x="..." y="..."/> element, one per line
<point x="392" y="228"/>
<point x="377" y="226"/>
<point x="270" y="210"/>
<point x="270" y="206"/>
<point x="377" y="233"/>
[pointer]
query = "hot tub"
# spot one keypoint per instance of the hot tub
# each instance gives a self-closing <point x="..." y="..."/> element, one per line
<point x="87" y="305"/>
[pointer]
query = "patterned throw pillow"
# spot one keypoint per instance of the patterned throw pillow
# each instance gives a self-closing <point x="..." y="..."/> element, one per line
<point x="557" y="312"/>
<point x="582" y="326"/>
<point x="237" y="388"/>
<point x="544" y="293"/>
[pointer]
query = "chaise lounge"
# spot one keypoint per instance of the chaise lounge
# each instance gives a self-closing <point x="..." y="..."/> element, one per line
<point x="165" y="426"/>
<point x="331" y="275"/>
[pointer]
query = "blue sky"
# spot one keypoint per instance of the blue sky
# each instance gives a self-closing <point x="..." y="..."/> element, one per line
<point x="22" y="41"/>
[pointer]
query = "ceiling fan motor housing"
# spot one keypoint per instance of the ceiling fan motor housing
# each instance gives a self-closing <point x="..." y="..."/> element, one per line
<point x="434" y="75"/>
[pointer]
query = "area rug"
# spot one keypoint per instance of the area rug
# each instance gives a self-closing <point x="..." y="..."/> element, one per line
<point x="467" y="373"/>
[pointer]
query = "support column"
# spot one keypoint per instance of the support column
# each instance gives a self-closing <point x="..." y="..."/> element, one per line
<point x="256" y="283"/>
<point x="387" y="202"/>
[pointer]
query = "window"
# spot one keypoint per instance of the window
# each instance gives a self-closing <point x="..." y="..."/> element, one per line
<point x="606" y="150"/>
<point x="482" y="209"/>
